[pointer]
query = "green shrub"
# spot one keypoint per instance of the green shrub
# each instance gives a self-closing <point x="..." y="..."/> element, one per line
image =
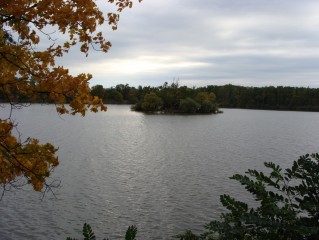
<point x="88" y="233"/>
<point x="189" y="105"/>
<point x="207" y="107"/>
<point x="288" y="205"/>
<point x="151" y="102"/>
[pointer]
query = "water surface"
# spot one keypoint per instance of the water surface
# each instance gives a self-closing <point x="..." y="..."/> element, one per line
<point x="163" y="173"/>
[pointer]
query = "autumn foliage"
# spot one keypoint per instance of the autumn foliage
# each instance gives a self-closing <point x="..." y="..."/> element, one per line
<point x="28" y="71"/>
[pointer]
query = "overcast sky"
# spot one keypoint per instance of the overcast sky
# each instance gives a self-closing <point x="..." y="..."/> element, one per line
<point x="210" y="42"/>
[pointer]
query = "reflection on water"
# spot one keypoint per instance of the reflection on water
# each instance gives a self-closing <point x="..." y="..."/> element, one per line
<point x="163" y="173"/>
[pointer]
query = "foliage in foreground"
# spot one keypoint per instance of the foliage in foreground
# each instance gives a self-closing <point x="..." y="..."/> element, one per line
<point x="29" y="73"/>
<point x="287" y="206"/>
<point x="88" y="233"/>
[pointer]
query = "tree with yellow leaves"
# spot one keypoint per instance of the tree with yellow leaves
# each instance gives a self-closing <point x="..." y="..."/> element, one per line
<point x="28" y="72"/>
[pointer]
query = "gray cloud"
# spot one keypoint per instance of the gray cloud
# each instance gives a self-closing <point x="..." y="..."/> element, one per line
<point x="246" y="42"/>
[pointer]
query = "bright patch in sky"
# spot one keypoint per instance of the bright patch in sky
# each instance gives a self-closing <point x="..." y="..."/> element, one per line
<point x="146" y="65"/>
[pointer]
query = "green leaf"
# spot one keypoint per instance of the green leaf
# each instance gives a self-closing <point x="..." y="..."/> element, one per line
<point x="131" y="233"/>
<point x="87" y="232"/>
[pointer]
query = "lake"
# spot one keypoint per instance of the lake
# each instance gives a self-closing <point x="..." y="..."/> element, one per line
<point x="163" y="173"/>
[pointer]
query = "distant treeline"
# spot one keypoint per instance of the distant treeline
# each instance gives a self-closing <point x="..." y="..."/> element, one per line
<point x="227" y="96"/>
<point x="271" y="98"/>
<point x="175" y="98"/>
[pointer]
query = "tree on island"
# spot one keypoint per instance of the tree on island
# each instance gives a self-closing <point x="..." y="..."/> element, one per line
<point x="29" y="74"/>
<point x="189" y="105"/>
<point x="151" y="103"/>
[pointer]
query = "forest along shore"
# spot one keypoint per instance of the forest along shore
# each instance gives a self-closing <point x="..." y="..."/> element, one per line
<point x="174" y="98"/>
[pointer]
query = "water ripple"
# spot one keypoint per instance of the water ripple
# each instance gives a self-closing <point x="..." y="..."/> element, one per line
<point x="161" y="173"/>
